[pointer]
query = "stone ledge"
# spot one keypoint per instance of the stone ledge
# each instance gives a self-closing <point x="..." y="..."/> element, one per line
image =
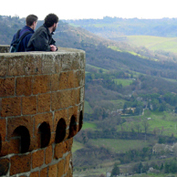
<point x="61" y="50"/>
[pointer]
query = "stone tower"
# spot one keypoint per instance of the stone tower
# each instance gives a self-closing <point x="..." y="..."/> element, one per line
<point x="41" y="109"/>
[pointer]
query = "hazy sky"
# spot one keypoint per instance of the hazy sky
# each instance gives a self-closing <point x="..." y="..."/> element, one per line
<point x="79" y="9"/>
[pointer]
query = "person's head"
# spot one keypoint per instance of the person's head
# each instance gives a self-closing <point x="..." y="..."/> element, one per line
<point x="31" y="21"/>
<point x="51" y="21"/>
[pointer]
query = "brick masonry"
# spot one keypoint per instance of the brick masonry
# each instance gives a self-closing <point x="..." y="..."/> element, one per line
<point x="41" y="109"/>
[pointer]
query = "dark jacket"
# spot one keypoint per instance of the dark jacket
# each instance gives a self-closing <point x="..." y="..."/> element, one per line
<point x="41" y="40"/>
<point x="24" y="43"/>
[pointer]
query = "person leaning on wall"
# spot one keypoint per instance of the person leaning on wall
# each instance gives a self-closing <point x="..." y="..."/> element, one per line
<point x="42" y="39"/>
<point x="31" y="22"/>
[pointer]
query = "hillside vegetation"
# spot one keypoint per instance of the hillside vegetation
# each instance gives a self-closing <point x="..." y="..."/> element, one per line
<point x="118" y="27"/>
<point x="155" y="34"/>
<point x="130" y="94"/>
<point x="154" y="43"/>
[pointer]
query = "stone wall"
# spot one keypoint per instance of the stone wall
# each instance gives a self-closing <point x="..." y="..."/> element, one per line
<point x="41" y="109"/>
<point x="4" y="48"/>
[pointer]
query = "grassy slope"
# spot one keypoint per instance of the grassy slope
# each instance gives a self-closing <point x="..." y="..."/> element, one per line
<point x="118" y="145"/>
<point x="87" y="108"/>
<point x="164" y="121"/>
<point x="124" y="82"/>
<point x="154" y="42"/>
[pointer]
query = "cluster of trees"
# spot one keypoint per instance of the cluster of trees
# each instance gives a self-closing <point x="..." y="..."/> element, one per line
<point x="165" y="167"/>
<point x="9" y="26"/>
<point x="104" y="57"/>
<point x="118" y="26"/>
<point x="136" y="155"/>
<point x="115" y="171"/>
<point x="152" y="101"/>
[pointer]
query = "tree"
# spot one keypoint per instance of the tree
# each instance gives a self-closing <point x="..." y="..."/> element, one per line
<point x="115" y="170"/>
<point x="124" y="108"/>
<point x="146" y="125"/>
<point x="140" y="167"/>
<point x="102" y="175"/>
<point x="138" y="127"/>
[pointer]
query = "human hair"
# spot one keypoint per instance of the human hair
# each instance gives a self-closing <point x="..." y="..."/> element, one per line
<point x="50" y="19"/>
<point x="30" y="19"/>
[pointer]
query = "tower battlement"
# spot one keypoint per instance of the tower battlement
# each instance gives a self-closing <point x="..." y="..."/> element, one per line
<point x="41" y="109"/>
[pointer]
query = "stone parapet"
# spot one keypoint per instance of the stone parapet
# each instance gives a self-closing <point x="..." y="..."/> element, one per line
<point x="41" y="109"/>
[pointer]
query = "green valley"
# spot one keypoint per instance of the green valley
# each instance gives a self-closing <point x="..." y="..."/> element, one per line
<point x="130" y="110"/>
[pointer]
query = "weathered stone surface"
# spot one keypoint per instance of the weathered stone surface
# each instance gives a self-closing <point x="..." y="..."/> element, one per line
<point x="34" y="174"/>
<point x="4" y="166"/>
<point x="20" y="163"/>
<point x="7" y="86"/>
<point x="11" y="106"/>
<point x="66" y="80"/>
<point x="61" y="166"/>
<point x="58" y="115"/>
<point x="58" y="151"/>
<point x="44" y="172"/>
<point x="67" y="162"/>
<point x="41" y="84"/>
<point x="32" y="65"/>
<point x="2" y="129"/>
<point x="53" y="171"/>
<point x="4" y="48"/>
<point x="41" y="96"/>
<point x="24" y="86"/>
<point x="44" y="102"/>
<point x="16" y="66"/>
<point x="3" y="66"/>
<point x="37" y="158"/>
<point x="29" y="105"/>
<point x="55" y="82"/>
<point x="48" y="65"/>
<point x="48" y="154"/>
<point x="40" y="118"/>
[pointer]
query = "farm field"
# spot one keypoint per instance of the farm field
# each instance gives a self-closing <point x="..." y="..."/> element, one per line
<point x="119" y="145"/>
<point x="88" y="125"/>
<point x="87" y="108"/>
<point x="76" y="146"/>
<point x="118" y="103"/>
<point x="165" y="123"/>
<point x="154" y="43"/>
<point x="124" y="82"/>
<point x="97" y="68"/>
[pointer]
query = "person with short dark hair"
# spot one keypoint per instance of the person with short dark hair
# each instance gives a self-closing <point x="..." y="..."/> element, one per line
<point x="31" y="22"/>
<point x="42" y="39"/>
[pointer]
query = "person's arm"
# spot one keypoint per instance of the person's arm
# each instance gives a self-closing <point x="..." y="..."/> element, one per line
<point x="26" y="40"/>
<point x="53" y="46"/>
<point x="40" y="43"/>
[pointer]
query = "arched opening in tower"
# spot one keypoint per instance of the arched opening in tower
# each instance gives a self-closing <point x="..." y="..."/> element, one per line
<point x="60" y="131"/>
<point x="22" y="136"/>
<point x="80" y="120"/>
<point x="44" y="134"/>
<point x="72" y="127"/>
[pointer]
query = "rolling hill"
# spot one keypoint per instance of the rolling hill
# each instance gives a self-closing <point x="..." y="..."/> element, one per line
<point x="113" y="27"/>
<point x="155" y="34"/>
<point x="154" y="43"/>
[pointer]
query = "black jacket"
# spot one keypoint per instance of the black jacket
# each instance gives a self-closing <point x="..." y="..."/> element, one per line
<point x="41" y="40"/>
